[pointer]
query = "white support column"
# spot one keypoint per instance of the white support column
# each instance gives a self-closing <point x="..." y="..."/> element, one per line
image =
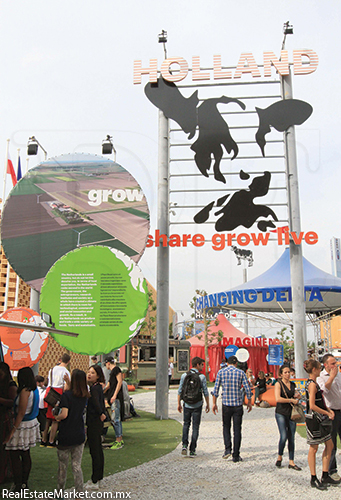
<point x="162" y="288"/>
<point x="296" y="256"/>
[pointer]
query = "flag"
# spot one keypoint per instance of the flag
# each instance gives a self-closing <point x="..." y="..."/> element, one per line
<point x="10" y="170"/>
<point x="19" y="174"/>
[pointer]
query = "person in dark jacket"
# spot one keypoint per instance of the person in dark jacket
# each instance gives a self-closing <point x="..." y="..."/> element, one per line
<point x="8" y="392"/>
<point x="71" y="435"/>
<point x="95" y="416"/>
<point x="114" y="395"/>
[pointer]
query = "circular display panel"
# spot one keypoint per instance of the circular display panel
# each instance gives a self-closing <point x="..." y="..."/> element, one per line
<point x="99" y="293"/>
<point x="22" y="347"/>
<point x="69" y="202"/>
<point x="242" y="355"/>
<point x="230" y="350"/>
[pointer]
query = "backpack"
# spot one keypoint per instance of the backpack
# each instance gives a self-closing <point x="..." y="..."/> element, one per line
<point x="191" y="390"/>
<point x="126" y="400"/>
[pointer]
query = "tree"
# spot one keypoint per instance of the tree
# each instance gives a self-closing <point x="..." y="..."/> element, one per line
<point x="287" y="340"/>
<point x="209" y="336"/>
<point x="148" y="326"/>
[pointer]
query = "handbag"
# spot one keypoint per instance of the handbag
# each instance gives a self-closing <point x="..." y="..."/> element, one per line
<point x="52" y="397"/>
<point x="297" y="414"/>
<point x="297" y="411"/>
<point x="324" y="421"/>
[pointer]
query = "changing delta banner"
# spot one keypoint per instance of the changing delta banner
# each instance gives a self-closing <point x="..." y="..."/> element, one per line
<point x="99" y="293"/>
<point x="22" y="347"/>
<point x="68" y="202"/>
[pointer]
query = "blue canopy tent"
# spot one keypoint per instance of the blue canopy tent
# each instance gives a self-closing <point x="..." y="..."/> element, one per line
<point x="271" y="291"/>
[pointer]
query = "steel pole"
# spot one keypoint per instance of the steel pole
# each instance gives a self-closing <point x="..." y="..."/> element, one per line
<point x="296" y="256"/>
<point x="162" y="286"/>
<point x="34" y="304"/>
<point x="246" y="317"/>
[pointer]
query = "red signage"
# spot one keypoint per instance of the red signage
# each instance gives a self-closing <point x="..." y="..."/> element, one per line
<point x="249" y="342"/>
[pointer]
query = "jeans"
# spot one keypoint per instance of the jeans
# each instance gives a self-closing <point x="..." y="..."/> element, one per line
<point x="336" y="430"/>
<point x="234" y="413"/>
<point x="76" y="465"/>
<point x="116" y="417"/>
<point x="194" y="415"/>
<point x="287" y="429"/>
<point x="259" y="391"/>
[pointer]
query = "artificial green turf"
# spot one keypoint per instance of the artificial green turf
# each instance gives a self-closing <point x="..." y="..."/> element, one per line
<point x="145" y="439"/>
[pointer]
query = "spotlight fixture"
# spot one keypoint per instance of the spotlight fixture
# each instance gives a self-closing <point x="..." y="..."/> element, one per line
<point x="163" y="39"/>
<point x="162" y="36"/>
<point x="32" y="147"/>
<point x="288" y="29"/>
<point x="108" y="147"/>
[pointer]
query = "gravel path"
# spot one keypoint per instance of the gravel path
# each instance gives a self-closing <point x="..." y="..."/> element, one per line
<point x="208" y="476"/>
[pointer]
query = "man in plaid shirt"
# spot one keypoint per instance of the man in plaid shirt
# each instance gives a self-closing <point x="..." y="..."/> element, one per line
<point x="231" y="379"/>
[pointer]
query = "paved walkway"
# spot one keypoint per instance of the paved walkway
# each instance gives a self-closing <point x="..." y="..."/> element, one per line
<point x="208" y="476"/>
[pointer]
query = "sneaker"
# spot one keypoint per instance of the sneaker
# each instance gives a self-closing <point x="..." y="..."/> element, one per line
<point x="237" y="459"/>
<point x="43" y="444"/>
<point x="315" y="483"/>
<point x="184" y="451"/>
<point x="335" y="476"/>
<point x="51" y="445"/>
<point x="226" y="455"/>
<point x="192" y="454"/>
<point x="117" y="445"/>
<point x="329" y="481"/>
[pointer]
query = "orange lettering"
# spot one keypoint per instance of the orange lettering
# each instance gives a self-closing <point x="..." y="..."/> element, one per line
<point x="311" y="238"/>
<point x="297" y="239"/>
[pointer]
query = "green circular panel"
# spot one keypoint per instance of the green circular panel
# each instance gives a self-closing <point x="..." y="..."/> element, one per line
<point x="99" y="293"/>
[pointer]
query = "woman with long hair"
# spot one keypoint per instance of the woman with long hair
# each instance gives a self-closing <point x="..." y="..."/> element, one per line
<point x="318" y="425"/>
<point x="8" y="392"/>
<point x="286" y="395"/>
<point x="260" y="385"/>
<point x="25" y="432"/>
<point x="250" y="378"/>
<point x="95" y="416"/>
<point x="71" y="435"/>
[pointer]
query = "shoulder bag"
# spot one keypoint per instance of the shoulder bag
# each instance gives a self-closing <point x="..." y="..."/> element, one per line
<point x="52" y="397"/>
<point x="297" y="411"/>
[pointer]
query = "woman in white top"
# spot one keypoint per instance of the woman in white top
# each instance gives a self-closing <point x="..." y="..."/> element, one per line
<point x="25" y="432"/>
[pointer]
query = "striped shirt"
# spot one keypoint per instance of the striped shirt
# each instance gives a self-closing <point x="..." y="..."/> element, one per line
<point x="231" y="379"/>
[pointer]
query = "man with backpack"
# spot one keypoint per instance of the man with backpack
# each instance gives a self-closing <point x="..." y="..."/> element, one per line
<point x="192" y="387"/>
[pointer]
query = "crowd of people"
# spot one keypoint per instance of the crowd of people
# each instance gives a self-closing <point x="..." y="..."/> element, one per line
<point x="84" y="398"/>
<point x="323" y="410"/>
<point x="80" y="408"/>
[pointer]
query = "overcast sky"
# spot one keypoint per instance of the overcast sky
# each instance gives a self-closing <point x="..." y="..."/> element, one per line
<point x="67" y="77"/>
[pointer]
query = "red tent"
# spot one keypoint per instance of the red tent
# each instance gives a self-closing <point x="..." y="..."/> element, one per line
<point x="257" y="360"/>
